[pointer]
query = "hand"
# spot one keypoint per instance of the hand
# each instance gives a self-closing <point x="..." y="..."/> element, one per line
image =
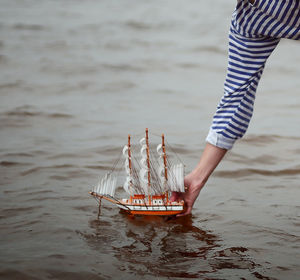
<point x="192" y="190"/>
<point x="196" y="180"/>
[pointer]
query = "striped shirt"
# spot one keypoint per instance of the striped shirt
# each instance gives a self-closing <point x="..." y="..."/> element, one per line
<point x="255" y="31"/>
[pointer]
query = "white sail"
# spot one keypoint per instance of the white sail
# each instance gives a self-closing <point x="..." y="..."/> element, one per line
<point x="143" y="141"/>
<point x="144" y="151"/>
<point x="159" y="149"/>
<point x="125" y="151"/>
<point x="107" y="185"/>
<point x="128" y="185"/>
<point x="161" y="173"/>
<point x="127" y="166"/>
<point x="143" y="174"/>
<point x="114" y="184"/>
<point x="144" y="163"/>
<point x="161" y="168"/>
<point x="176" y="178"/>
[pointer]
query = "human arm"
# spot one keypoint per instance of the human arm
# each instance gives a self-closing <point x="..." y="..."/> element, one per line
<point x="248" y="53"/>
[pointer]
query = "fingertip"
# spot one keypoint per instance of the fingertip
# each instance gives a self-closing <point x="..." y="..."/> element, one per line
<point x="176" y="196"/>
<point x="187" y="212"/>
<point x="181" y="215"/>
<point x="173" y="197"/>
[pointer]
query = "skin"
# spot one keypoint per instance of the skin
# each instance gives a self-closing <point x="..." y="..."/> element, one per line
<point x="196" y="180"/>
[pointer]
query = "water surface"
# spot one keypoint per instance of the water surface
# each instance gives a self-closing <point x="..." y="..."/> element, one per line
<point x="76" y="78"/>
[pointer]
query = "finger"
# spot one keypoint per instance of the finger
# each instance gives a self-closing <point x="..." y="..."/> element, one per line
<point x="186" y="181"/>
<point x="173" y="196"/>
<point x="187" y="212"/>
<point x="176" y="196"/>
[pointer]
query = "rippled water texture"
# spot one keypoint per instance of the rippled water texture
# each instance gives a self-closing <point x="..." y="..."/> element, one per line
<point x="76" y="78"/>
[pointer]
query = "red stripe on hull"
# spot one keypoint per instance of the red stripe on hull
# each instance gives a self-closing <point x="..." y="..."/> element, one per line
<point x="153" y="213"/>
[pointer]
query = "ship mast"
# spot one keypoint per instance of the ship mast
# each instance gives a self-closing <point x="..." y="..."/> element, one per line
<point x="148" y="164"/>
<point x="129" y="154"/>
<point x="165" y="161"/>
<point x="129" y="163"/>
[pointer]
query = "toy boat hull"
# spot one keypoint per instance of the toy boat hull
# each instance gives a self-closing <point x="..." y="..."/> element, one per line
<point x="172" y="208"/>
<point x="154" y="210"/>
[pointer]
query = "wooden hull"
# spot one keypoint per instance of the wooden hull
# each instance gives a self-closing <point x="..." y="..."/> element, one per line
<point x="153" y="213"/>
<point x="167" y="210"/>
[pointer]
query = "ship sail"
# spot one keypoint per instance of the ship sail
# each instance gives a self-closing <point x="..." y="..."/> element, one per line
<point x="143" y="174"/>
<point x="176" y="178"/>
<point x="129" y="180"/>
<point x="161" y="167"/>
<point x="107" y="185"/>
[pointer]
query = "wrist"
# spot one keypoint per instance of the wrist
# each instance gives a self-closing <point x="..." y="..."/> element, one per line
<point x="200" y="176"/>
<point x="196" y="178"/>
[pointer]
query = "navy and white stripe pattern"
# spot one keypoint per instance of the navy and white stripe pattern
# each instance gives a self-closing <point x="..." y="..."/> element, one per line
<point x="255" y="31"/>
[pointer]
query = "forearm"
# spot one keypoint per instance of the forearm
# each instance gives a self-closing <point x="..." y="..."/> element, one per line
<point x="209" y="160"/>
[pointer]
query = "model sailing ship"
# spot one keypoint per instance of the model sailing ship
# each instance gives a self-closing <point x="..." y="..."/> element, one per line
<point x="149" y="181"/>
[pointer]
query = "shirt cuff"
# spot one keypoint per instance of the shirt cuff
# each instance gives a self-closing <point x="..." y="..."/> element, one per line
<point x="219" y="140"/>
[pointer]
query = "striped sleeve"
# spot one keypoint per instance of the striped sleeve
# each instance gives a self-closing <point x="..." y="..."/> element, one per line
<point x="250" y="45"/>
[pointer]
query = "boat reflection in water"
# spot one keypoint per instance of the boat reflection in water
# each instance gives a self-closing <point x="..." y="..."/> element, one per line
<point x="165" y="247"/>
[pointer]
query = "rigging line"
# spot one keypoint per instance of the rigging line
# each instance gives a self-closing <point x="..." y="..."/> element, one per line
<point x="116" y="162"/>
<point x="119" y="202"/>
<point x="157" y="186"/>
<point x="159" y="162"/>
<point x="137" y="135"/>
<point x="95" y="198"/>
<point x="136" y="175"/>
<point x="135" y="163"/>
<point x="154" y="134"/>
<point x="153" y="167"/>
<point x="168" y="146"/>
<point x="119" y="169"/>
<point x="162" y="182"/>
<point x="174" y="152"/>
<point x="172" y="180"/>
